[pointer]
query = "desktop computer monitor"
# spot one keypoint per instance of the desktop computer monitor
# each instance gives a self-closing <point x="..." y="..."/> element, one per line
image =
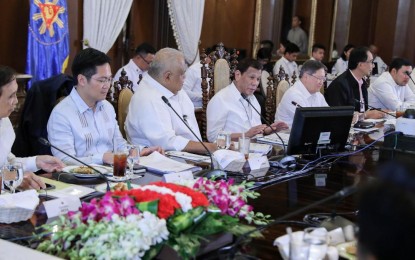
<point x="324" y="128"/>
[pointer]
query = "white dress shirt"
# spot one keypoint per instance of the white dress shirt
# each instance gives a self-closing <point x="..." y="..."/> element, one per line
<point x="299" y="94"/>
<point x="381" y="65"/>
<point x="150" y="121"/>
<point x="133" y="73"/>
<point x="384" y="93"/>
<point x="228" y="111"/>
<point x="193" y="84"/>
<point x="339" y="67"/>
<point x="289" y="67"/>
<point x="82" y="132"/>
<point x="7" y="137"/>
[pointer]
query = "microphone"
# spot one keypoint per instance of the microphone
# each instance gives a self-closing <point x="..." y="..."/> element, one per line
<point x="47" y="143"/>
<point x="295" y="104"/>
<point x="409" y="75"/>
<point x="212" y="171"/>
<point x="266" y="122"/>
<point x="343" y="193"/>
<point x="374" y="108"/>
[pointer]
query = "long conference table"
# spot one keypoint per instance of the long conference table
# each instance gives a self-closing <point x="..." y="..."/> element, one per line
<point x="276" y="199"/>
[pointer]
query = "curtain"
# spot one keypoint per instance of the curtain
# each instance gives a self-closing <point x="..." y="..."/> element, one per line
<point x="186" y="17"/>
<point x="103" y="21"/>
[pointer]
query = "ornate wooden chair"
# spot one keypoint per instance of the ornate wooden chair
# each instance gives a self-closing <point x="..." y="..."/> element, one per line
<point x="124" y="99"/>
<point x="119" y="96"/>
<point x="220" y="71"/>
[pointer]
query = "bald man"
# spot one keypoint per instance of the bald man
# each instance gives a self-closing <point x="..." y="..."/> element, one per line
<point x="150" y="121"/>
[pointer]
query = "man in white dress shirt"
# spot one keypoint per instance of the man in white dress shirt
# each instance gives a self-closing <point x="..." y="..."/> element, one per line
<point x="229" y="111"/>
<point x="317" y="52"/>
<point x="193" y="82"/>
<point x="150" y="121"/>
<point x="8" y="102"/>
<point x="305" y="92"/>
<point x="288" y="61"/>
<point x="138" y="65"/>
<point x="380" y="65"/>
<point x="83" y="124"/>
<point x="391" y="91"/>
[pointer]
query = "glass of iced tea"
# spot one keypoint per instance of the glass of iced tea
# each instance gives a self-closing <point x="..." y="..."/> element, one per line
<point x="120" y="165"/>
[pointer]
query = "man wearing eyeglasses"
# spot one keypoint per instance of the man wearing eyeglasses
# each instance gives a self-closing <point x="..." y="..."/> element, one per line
<point x="83" y="124"/>
<point x="304" y="93"/>
<point x="350" y="88"/>
<point x="138" y="65"/>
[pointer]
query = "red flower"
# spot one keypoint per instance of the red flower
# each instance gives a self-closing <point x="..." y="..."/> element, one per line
<point x="198" y="198"/>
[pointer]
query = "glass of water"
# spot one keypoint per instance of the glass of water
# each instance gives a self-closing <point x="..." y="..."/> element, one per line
<point x="133" y="158"/>
<point x="12" y="175"/>
<point x="317" y="239"/>
<point x="223" y="141"/>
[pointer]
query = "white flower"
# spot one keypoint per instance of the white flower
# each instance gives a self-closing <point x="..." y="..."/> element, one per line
<point x="127" y="238"/>
<point x="184" y="201"/>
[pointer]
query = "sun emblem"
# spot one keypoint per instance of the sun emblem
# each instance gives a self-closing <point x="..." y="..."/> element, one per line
<point x="49" y="12"/>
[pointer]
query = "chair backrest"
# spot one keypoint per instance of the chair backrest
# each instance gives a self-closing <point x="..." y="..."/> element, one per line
<point x="264" y="81"/>
<point x="222" y="75"/>
<point x="283" y="86"/>
<point x="220" y="71"/>
<point x="113" y="94"/>
<point x="124" y="99"/>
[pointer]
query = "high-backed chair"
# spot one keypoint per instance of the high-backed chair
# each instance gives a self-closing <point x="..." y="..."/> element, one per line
<point x="220" y="72"/>
<point x="124" y="99"/>
<point x="113" y="94"/>
<point x="282" y="86"/>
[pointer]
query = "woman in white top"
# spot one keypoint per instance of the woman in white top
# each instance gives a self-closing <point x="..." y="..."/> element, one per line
<point x="342" y="62"/>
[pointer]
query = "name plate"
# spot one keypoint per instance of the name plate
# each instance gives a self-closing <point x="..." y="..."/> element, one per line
<point x="61" y="206"/>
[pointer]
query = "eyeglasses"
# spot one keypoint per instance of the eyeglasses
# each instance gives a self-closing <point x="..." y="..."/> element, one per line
<point x="370" y="61"/>
<point x="104" y="81"/>
<point x="323" y="79"/>
<point x="146" y="61"/>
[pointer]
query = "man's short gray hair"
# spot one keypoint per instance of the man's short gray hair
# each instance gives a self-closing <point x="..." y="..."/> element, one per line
<point x="164" y="60"/>
<point x="311" y="66"/>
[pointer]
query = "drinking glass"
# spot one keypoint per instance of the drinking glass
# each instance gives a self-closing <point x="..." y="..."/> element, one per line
<point x="244" y="146"/>
<point x="133" y="157"/>
<point x="317" y="239"/>
<point x="12" y="175"/>
<point x="120" y="165"/>
<point x="223" y="141"/>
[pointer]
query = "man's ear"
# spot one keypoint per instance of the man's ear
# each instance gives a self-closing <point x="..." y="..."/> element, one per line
<point x="82" y="80"/>
<point x="238" y="74"/>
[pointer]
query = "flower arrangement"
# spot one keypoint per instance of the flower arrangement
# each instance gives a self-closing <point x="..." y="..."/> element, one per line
<point x="135" y="224"/>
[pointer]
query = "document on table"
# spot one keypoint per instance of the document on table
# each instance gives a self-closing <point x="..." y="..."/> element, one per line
<point x="189" y="156"/>
<point x="161" y="164"/>
<point x="274" y="139"/>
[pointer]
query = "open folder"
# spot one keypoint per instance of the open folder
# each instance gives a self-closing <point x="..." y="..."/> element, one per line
<point x="160" y="164"/>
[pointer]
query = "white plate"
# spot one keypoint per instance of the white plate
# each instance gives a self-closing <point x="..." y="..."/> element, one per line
<point x="342" y="250"/>
<point x="103" y="186"/>
<point x="102" y="169"/>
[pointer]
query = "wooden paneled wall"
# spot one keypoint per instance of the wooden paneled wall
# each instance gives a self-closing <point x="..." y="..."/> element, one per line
<point x="387" y="23"/>
<point x="231" y="22"/>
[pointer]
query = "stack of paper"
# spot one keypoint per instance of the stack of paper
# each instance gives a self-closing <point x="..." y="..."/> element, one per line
<point x="189" y="156"/>
<point x="160" y="164"/>
<point x="274" y="139"/>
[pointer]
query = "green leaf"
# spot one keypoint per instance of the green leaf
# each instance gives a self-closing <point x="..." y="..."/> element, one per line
<point x="150" y="206"/>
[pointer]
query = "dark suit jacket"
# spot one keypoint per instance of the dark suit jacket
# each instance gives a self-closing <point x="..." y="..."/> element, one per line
<point x="40" y="100"/>
<point x="344" y="90"/>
